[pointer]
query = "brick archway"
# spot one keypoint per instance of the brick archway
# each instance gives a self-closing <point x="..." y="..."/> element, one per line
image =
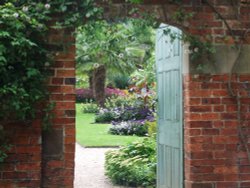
<point x="214" y="155"/>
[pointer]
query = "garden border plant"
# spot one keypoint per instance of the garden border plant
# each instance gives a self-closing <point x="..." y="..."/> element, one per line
<point x="134" y="164"/>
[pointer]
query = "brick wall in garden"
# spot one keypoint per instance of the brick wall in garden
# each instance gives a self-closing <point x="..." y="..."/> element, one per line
<point x="22" y="168"/>
<point x="214" y="154"/>
<point x="210" y="18"/>
<point x="59" y="144"/>
<point x="46" y="158"/>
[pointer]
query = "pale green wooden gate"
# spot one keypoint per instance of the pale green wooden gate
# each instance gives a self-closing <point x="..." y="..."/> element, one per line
<point x="170" y="133"/>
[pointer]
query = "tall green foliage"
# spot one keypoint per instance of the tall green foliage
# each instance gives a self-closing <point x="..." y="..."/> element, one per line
<point x="23" y="61"/>
<point x="120" y="47"/>
<point x="109" y="44"/>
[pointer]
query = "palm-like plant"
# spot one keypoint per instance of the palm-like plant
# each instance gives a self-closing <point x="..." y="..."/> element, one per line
<point x="105" y="48"/>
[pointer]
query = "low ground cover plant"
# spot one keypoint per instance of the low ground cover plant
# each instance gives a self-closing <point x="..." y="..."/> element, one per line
<point x="134" y="164"/>
<point x="136" y="127"/>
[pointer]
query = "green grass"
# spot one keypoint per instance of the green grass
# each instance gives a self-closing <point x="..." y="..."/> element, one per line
<point x="96" y="135"/>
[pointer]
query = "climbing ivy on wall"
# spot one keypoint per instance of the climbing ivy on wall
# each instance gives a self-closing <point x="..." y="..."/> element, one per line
<point x="24" y="59"/>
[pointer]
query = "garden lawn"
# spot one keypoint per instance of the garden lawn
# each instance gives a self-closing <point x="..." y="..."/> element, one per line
<point x="89" y="134"/>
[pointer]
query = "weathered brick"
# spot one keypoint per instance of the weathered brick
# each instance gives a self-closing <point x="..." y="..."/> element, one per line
<point x="202" y="155"/>
<point x="65" y="73"/>
<point x="200" y="124"/>
<point x="210" y="131"/>
<point x="200" y="108"/>
<point x="57" y="81"/>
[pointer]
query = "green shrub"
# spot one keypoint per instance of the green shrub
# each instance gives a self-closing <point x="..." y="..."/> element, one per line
<point x="122" y="101"/>
<point x="23" y="61"/>
<point x="152" y="127"/>
<point x="133" y="165"/>
<point x="89" y="107"/>
<point x="105" y="116"/>
<point x="121" y="81"/>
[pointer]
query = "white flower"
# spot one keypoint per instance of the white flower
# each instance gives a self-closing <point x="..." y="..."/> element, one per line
<point x="25" y="9"/>
<point x="121" y="55"/>
<point x="47" y="6"/>
<point x="196" y="49"/>
<point x="96" y="65"/>
<point x="16" y="15"/>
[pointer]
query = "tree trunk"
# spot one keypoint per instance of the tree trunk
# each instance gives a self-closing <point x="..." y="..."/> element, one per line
<point x="99" y="77"/>
<point x="90" y="74"/>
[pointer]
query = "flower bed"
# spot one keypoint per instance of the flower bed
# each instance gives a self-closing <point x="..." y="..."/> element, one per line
<point x="136" y="127"/>
<point x="124" y="114"/>
<point x="85" y="95"/>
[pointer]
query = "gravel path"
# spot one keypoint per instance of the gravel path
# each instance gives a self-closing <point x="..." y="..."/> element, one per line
<point x="89" y="168"/>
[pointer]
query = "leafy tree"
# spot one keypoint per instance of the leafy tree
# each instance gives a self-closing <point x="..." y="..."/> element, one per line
<point x="105" y="48"/>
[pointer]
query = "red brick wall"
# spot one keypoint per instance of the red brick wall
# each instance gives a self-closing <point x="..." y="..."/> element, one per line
<point x="208" y="22"/>
<point x="58" y="161"/>
<point x="23" y="165"/>
<point x="46" y="158"/>
<point x="214" y="153"/>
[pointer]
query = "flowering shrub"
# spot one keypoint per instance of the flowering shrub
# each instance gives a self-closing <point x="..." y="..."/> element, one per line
<point x="129" y="128"/>
<point x="124" y="114"/>
<point x="106" y="116"/>
<point x="133" y="165"/>
<point x="119" y="101"/>
<point x="83" y="95"/>
<point x="114" y="92"/>
<point x="89" y="107"/>
<point x="23" y="59"/>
